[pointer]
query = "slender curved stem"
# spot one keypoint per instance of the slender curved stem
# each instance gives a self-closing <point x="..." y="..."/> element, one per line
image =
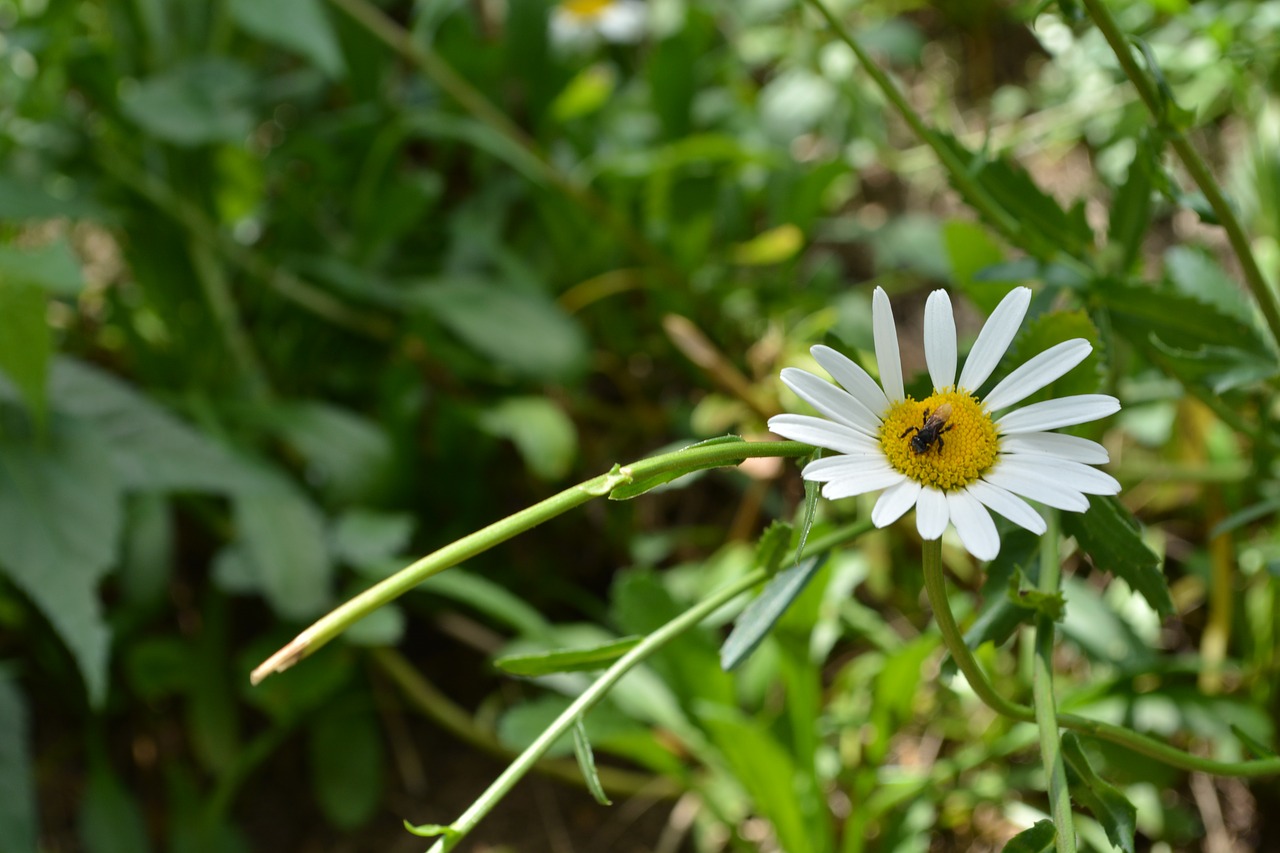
<point x="593" y="694"/>
<point x="936" y="588"/>
<point x="1196" y="166"/>
<point x="683" y="461"/>
<point x="1045" y="704"/>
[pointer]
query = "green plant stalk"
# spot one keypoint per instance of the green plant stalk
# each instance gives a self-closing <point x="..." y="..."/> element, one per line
<point x="936" y="588"/>
<point x="222" y="305"/>
<point x="1267" y="299"/>
<point x="470" y="99"/>
<point x="1045" y="704"/>
<point x="589" y="697"/>
<point x="683" y="461"/>
<point x="972" y="191"/>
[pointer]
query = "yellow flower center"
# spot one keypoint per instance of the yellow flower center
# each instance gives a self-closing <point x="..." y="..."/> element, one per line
<point x="945" y="440"/>
<point x="586" y="9"/>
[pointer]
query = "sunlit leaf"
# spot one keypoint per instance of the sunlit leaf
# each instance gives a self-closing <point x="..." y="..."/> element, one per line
<point x="1110" y="535"/>
<point x="1105" y="802"/>
<point x="763" y="613"/>
<point x="566" y="660"/>
<point x="1037" y="838"/>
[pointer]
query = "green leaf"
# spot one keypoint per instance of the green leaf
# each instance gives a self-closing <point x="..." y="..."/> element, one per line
<point x="364" y="536"/>
<point x="1037" y="838"/>
<point x="566" y="660"/>
<point x="1014" y="190"/>
<point x="522" y="332"/>
<point x="585" y="93"/>
<point x="347" y="763"/>
<point x="762" y="614"/>
<point x="151" y="449"/>
<point x="488" y="598"/>
<point x="646" y="484"/>
<point x="775" y="246"/>
<point x="383" y="627"/>
<point x="811" y="494"/>
<point x="1110" y="535"/>
<point x="147" y="562"/>
<point x="773" y="545"/>
<point x="1000" y="616"/>
<point x="54" y="268"/>
<point x="1257" y="747"/>
<point x="18" y="819"/>
<point x="200" y="102"/>
<point x="970" y="250"/>
<point x="1131" y="207"/>
<point x="25" y="343"/>
<point x="541" y="431"/>
<point x="431" y="830"/>
<point x="1111" y="808"/>
<point x="297" y="25"/>
<point x="1197" y="274"/>
<point x="61" y="515"/>
<point x="1180" y="321"/>
<point x="1220" y="368"/>
<point x="110" y="819"/>
<point x="587" y="763"/>
<point x="284" y="539"/>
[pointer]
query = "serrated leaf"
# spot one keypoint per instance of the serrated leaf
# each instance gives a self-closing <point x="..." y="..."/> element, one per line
<point x="763" y="613"/>
<point x="1197" y="274"/>
<point x="773" y="546"/>
<point x="641" y="485"/>
<point x="297" y="25"/>
<point x="18" y="820"/>
<point x="1037" y="838"/>
<point x="1017" y="192"/>
<point x="1131" y="207"/>
<point x="587" y="763"/>
<point x="1104" y="801"/>
<point x="61" y="514"/>
<point x="26" y="344"/>
<point x="566" y="660"/>
<point x="1180" y="321"/>
<point x="1220" y="368"/>
<point x="1110" y="535"/>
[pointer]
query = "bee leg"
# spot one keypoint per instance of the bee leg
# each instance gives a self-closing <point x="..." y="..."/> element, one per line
<point x="906" y="432"/>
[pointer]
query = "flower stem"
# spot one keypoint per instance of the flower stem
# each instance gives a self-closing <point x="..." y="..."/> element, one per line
<point x="593" y="694"/>
<point x="1196" y="166"/>
<point x="1045" y="705"/>
<point x="936" y="588"/>
<point x="683" y="461"/>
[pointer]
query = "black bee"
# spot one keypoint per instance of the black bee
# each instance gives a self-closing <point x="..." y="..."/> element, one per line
<point x="931" y="430"/>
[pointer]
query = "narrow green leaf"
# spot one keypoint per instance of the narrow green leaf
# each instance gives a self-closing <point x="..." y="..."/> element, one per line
<point x="1104" y="801"/>
<point x="1257" y="747"/>
<point x="587" y="763"/>
<point x="26" y="344"/>
<point x="566" y="660"/>
<point x="1131" y="207"/>
<point x="646" y="484"/>
<point x="1037" y="838"/>
<point x="773" y="545"/>
<point x="1110" y="535"/>
<point x="18" y="821"/>
<point x="762" y="614"/>
<point x="61" y="515"/>
<point x="431" y="830"/>
<point x="1248" y="515"/>
<point x="297" y="25"/>
<point x="812" y="491"/>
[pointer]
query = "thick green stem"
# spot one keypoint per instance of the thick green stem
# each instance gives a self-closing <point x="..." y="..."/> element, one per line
<point x="1196" y="166"/>
<point x="936" y="588"/>
<point x="687" y="460"/>
<point x="1045" y="705"/>
<point x="593" y="694"/>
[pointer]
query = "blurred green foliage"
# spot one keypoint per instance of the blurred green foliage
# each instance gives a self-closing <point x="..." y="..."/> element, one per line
<point x="291" y="292"/>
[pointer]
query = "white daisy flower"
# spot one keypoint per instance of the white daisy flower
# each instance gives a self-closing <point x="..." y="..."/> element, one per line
<point x="581" y="23"/>
<point x="952" y="456"/>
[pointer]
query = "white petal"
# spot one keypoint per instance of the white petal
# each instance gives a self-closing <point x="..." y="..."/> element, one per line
<point x="822" y="433"/>
<point x="931" y="513"/>
<point x="862" y="483"/>
<point x="1063" y="472"/>
<point x="1038" y="372"/>
<point x="973" y="523"/>
<point x="840" y="467"/>
<point x="1009" y="505"/>
<point x="886" y="335"/>
<point x="995" y="338"/>
<point x="1045" y="491"/>
<point x="940" y="339"/>
<point x="1056" y="444"/>
<point x="894" y="503"/>
<point x="831" y="401"/>
<point x="854" y="379"/>
<point x="1061" y="412"/>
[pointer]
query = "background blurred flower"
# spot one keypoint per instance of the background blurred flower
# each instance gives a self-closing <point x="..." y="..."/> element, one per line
<point x="578" y="24"/>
